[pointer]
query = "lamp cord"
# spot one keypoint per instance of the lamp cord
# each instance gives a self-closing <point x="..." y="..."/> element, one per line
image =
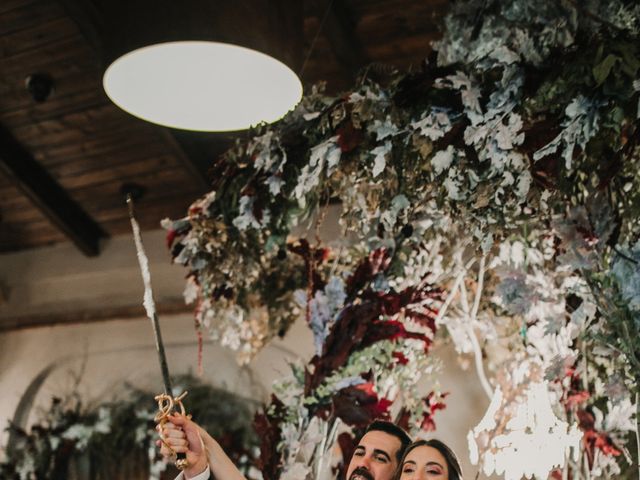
<point x="315" y="38"/>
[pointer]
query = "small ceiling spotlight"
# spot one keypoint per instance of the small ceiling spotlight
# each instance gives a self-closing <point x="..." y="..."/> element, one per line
<point x="39" y="86"/>
<point x="135" y="190"/>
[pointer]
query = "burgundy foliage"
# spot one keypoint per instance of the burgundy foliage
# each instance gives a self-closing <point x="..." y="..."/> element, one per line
<point x="312" y="257"/>
<point x="349" y="137"/>
<point x="268" y="429"/>
<point x="359" y="405"/>
<point x="377" y="262"/>
<point x="347" y="444"/>
<point x="369" y="316"/>
<point x="359" y="324"/>
<point x="575" y="395"/>
<point x="432" y="405"/>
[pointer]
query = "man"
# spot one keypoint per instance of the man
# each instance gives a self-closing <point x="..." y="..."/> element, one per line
<point x="378" y="452"/>
<point x="376" y="456"/>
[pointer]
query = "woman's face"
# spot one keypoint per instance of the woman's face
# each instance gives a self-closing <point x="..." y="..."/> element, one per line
<point x="424" y="462"/>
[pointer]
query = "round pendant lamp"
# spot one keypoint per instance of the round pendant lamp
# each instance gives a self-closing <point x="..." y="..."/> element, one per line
<point x="204" y="65"/>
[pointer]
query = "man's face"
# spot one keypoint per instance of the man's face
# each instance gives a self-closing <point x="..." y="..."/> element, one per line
<point x="375" y="457"/>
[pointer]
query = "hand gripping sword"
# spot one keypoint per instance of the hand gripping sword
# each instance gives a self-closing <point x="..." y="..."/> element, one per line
<point x="167" y="404"/>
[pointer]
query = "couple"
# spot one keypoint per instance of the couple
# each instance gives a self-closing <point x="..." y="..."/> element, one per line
<point x="384" y="452"/>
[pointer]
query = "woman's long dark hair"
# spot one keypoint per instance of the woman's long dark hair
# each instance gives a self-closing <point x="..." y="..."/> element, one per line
<point x="455" y="472"/>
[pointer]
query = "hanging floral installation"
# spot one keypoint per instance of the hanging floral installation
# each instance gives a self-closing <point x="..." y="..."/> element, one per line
<point x="117" y="439"/>
<point x="493" y="195"/>
<point x="371" y="345"/>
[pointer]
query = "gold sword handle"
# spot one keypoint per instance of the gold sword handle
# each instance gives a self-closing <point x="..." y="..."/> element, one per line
<point x="166" y="406"/>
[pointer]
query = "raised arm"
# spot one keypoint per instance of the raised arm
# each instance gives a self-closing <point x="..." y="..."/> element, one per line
<point x="183" y="435"/>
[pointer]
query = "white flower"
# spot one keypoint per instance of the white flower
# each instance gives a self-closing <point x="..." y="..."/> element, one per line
<point x="26" y="468"/>
<point x="81" y="434"/>
<point x="262" y="144"/>
<point x="246" y="218"/>
<point x="380" y="162"/>
<point x="434" y="125"/>
<point x="390" y="217"/>
<point x="384" y="129"/>
<point x="54" y="442"/>
<point x="442" y="160"/>
<point x="275" y="184"/>
<point x="469" y="92"/>
<point x="604" y="466"/>
<point x="323" y="160"/>
<point x="581" y="124"/>
<point x="523" y="184"/>
<point x="103" y="425"/>
<point x="453" y="184"/>
<point x="323" y="308"/>
<point x="504" y="55"/>
<point x="191" y="291"/>
<point x="627" y="275"/>
<point x="585" y="312"/>
<point x="494" y="136"/>
<point x="348" y="382"/>
<point x="620" y="416"/>
<point x="510" y="135"/>
<point x="297" y="471"/>
<point x="369" y="94"/>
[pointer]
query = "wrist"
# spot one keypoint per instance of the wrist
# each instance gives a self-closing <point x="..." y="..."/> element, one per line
<point x="197" y="469"/>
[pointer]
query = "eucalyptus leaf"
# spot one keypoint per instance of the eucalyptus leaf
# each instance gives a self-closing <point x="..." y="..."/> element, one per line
<point x="603" y="69"/>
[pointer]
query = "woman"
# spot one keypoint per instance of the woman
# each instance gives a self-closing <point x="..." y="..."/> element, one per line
<point x="429" y="460"/>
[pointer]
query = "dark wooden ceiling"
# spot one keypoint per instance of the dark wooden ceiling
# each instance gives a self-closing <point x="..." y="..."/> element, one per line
<point x="64" y="161"/>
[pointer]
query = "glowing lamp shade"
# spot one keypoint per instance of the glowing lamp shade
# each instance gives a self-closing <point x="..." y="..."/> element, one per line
<point x="202" y="85"/>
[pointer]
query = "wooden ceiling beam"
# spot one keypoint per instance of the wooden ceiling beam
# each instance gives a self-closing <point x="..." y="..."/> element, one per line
<point x="339" y="29"/>
<point x="47" y="195"/>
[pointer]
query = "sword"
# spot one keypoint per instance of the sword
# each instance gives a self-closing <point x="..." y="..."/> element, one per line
<point x="166" y="402"/>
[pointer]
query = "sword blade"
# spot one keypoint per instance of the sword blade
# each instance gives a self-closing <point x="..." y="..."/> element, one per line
<point x="149" y="303"/>
<point x="162" y="357"/>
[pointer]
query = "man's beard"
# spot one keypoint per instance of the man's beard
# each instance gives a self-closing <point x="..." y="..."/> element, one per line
<point x="362" y="472"/>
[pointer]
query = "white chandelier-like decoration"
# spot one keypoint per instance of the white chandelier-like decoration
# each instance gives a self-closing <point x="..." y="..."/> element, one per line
<point x="522" y="437"/>
<point x="202" y="86"/>
<point x="201" y="65"/>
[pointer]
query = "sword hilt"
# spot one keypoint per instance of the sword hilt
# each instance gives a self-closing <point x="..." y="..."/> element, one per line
<point x="166" y="406"/>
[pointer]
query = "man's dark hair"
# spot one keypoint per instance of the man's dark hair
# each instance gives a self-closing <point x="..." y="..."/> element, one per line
<point x="391" y="429"/>
<point x="455" y="471"/>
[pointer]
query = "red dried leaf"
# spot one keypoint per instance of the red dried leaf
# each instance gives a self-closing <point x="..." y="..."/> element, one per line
<point x="428" y="425"/>
<point x="171" y="236"/>
<point x="606" y="445"/>
<point x="268" y="429"/>
<point x="400" y="358"/>
<point x="556" y="474"/>
<point x="577" y="398"/>
<point x="586" y="420"/>
<point x="390" y="330"/>
<point x="359" y="325"/>
<point x="359" y="405"/>
<point x="312" y="257"/>
<point x="349" y="137"/>
<point x="433" y="404"/>
<point x="345" y="336"/>
<point x="575" y="394"/>
<point x="402" y="419"/>
<point x="593" y="438"/>
<point x="377" y="261"/>
<point x="347" y="444"/>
